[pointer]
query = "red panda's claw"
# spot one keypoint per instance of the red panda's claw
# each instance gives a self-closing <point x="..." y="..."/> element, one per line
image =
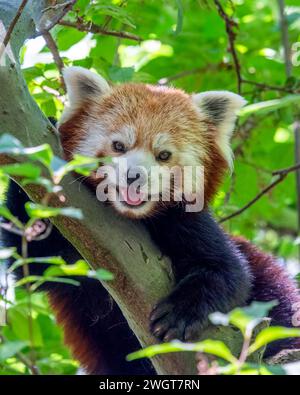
<point x="168" y="322"/>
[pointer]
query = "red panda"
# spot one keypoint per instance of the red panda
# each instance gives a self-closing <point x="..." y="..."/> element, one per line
<point x="139" y="123"/>
<point x="162" y="127"/>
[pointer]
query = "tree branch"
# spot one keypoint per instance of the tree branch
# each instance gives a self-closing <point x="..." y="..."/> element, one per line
<point x="12" y="26"/>
<point x="281" y="174"/>
<point x="56" y="56"/>
<point x="50" y="16"/>
<point x="230" y="25"/>
<point x="271" y="87"/>
<point x="92" y="28"/>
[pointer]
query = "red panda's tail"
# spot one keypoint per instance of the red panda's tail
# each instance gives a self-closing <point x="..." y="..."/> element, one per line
<point x="272" y="282"/>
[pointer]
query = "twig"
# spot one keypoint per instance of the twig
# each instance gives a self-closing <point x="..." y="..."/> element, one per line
<point x="66" y="7"/>
<point x="26" y="273"/>
<point x="92" y="28"/>
<point x="12" y="26"/>
<point x="271" y="87"/>
<point x="58" y="6"/>
<point x="230" y="26"/>
<point x="281" y="174"/>
<point x="167" y="80"/>
<point x="286" y="170"/>
<point x="244" y="131"/>
<point x="56" y="56"/>
<point x="26" y="361"/>
<point x="245" y="349"/>
<point x="197" y="70"/>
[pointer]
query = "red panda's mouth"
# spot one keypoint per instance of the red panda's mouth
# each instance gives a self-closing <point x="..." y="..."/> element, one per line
<point x="132" y="199"/>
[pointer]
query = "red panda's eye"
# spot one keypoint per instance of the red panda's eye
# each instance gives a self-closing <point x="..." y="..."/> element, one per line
<point x="118" y="146"/>
<point x="164" y="155"/>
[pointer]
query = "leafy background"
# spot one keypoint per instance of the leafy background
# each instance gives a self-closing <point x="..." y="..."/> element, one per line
<point x="184" y="44"/>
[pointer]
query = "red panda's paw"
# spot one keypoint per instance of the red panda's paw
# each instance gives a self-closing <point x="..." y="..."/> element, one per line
<point x="170" y="321"/>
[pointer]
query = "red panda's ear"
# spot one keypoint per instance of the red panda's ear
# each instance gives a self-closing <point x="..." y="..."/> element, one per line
<point x="221" y="107"/>
<point x="83" y="84"/>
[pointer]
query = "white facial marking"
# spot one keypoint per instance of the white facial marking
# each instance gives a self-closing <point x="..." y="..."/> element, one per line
<point x="161" y="141"/>
<point x="126" y="135"/>
<point x="221" y="107"/>
<point x="82" y="86"/>
<point x="96" y="138"/>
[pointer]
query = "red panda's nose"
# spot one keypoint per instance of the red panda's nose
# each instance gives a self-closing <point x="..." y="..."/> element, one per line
<point x="131" y="179"/>
<point x="133" y="176"/>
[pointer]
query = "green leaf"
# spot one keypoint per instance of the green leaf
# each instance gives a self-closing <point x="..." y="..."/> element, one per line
<point x="79" y="268"/>
<point x="57" y="163"/>
<point x="243" y="317"/>
<point x="6" y="253"/>
<point x="115" y="12"/>
<point x="9" y="349"/>
<point x="42" y="153"/>
<point x="271" y="334"/>
<point x="62" y="280"/>
<point x="12" y="146"/>
<point x="5" y="213"/>
<point x="66" y="38"/>
<point x="23" y="330"/>
<point x="39" y="211"/>
<point x="214" y="347"/>
<point x="101" y="274"/>
<point x="45" y="182"/>
<point x="28" y="170"/>
<point x="265" y="107"/>
<point x="39" y="280"/>
<point x="53" y="260"/>
<point x="219" y="318"/>
<point x="121" y="74"/>
<point x="80" y="164"/>
<point x="259" y="309"/>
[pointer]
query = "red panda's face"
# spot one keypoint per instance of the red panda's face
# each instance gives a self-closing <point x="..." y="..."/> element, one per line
<point x="159" y="140"/>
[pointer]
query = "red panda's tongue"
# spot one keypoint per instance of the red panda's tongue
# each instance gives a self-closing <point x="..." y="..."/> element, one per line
<point x="135" y="200"/>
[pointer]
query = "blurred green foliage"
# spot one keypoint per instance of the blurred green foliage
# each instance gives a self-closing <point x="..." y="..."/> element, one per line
<point x="49" y="353"/>
<point x="184" y="43"/>
<point x="30" y="341"/>
<point x="248" y="321"/>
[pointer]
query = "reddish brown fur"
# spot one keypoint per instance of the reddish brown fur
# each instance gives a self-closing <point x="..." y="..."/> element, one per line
<point x="95" y="329"/>
<point x="272" y="282"/>
<point x="83" y="347"/>
<point x="74" y="130"/>
<point x="152" y="110"/>
<point x="215" y="165"/>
